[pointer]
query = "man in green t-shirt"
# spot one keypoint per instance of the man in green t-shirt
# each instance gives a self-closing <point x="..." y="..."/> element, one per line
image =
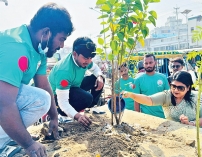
<point x="69" y="85"/>
<point x="125" y="83"/>
<point x="149" y="83"/>
<point x="23" y="54"/>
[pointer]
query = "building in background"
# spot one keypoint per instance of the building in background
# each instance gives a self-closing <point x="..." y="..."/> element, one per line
<point x="173" y="36"/>
<point x="193" y="22"/>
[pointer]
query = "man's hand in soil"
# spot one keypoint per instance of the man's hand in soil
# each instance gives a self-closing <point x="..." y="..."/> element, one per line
<point x="53" y="127"/>
<point x="83" y="119"/>
<point x="99" y="83"/>
<point x="36" y="150"/>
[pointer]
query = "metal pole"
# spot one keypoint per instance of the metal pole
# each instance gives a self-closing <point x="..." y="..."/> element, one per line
<point x="187" y="32"/>
<point x="186" y="12"/>
<point x="177" y="28"/>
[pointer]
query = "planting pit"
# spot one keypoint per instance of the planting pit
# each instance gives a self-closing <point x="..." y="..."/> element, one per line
<point x="139" y="135"/>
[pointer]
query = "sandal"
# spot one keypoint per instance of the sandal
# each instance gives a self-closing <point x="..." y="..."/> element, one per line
<point x="9" y="151"/>
<point x="97" y="111"/>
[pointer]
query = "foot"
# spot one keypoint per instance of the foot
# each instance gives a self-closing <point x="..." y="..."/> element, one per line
<point x="64" y="119"/>
<point x="95" y="110"/>
<point x="9" y="151"/>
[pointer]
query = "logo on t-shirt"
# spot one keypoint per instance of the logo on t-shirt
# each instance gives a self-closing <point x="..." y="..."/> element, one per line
<point x="159" y="83"/>
<point x="131" y="85"/>
<point x="64" y="83"/>
<point x="23" y="63"/>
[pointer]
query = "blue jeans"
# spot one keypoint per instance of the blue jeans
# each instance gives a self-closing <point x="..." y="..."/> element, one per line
<point x="32" y="104"/>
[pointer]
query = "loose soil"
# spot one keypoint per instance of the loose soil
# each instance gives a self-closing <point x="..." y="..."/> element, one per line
<point x="103" y="140"/>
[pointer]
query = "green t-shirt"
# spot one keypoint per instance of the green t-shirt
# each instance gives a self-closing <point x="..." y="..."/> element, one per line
<point x="174" y="112"/>
<point x="66" y="74"/>
<point x="19" y="61"/>
<point x="126" y="85"/>
<point x="148" y="85"/>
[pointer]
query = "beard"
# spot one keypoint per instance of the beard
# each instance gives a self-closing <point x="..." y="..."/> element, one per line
<point x="51" y="52"/>
<point x="150" y="69"/>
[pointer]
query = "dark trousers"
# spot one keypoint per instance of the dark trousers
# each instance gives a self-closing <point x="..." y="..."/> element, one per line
<point x="84" y="96"/>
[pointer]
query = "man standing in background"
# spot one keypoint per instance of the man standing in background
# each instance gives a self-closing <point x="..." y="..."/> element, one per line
<point x="149" y="83"/>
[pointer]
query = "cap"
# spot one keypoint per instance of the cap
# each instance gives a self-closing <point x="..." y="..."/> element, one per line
<point x="85" y="46"/>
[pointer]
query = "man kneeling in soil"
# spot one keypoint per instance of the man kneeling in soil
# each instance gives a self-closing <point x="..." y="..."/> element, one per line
<point x="69" y="85"/>
<point x="23" y="54"/>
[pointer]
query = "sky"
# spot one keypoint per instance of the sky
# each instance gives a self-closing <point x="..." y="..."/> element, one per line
<point x="84" y="19"/>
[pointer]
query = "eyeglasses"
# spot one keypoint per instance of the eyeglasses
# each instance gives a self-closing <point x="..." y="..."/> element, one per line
<point x="176" y="66"/>
<point x="179" y="88"/>
<point x="90" y="45"/>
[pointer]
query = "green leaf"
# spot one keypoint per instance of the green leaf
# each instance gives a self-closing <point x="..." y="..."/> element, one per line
<point x="100" y="41"/>
<point x="140" y="15"/>
<point x="128" y="1"/>
<point x="141" y="41"/>
<point x="154" y="1"/>
<point x="103" y="23"/>
<point x="110" y="56"/>
<point x="130" y="25"/>
<point x="146" y="1"/>
<point x="119" y="12"/>
<point x="120" y="36"/>
<point x="152" y="20"/>
<point x="138" y="5"/>
<point x="122" y="21"/>
<point x="131" y="41"/>
<point x="100" y="2"/>
<point x="145" y="32"/>
<point x="134" y="18"/>
<point x="124" y="8"/>
<point x="105" y="7"/>
<point x="112" y="1"/>
<point x="113" y="45"/>
<point x="103" y="16"/>
<point x="154" y="14"/>
<point x="104" y="30"/>
<point x="99" y="50"/>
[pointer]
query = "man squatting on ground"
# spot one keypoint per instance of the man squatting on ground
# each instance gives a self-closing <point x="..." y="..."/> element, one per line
<point x="22" y="57"/>
<point x="69" y="84"/>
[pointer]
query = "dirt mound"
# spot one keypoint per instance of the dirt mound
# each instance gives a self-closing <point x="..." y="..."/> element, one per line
<point x="103" y="140"/>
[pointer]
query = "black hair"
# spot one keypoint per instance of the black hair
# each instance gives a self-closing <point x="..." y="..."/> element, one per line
<point x="150" y="55"/>
<point x="54" y="17"/>
<point x="185" y="78"/>
<point x="80" y="47"/>
<point x="123" y="65"/>
<point x="179" y="60"/>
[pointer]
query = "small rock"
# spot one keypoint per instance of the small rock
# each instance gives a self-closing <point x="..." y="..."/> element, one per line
<point x="191" y="143"/>
<point x="57" y="155"/>
<point x="57" y="147"/>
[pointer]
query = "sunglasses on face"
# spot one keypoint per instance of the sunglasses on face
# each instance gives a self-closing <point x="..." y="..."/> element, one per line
<point x="176" y="66"/>
<point x="90" y="46"/>
<point x="179" y="88"/>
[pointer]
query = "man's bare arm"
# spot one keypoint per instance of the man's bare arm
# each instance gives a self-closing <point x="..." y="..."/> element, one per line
<point x="137" y="106"/>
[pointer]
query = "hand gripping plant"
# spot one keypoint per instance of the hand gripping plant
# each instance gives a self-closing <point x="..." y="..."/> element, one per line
<point x="125" y="24"/>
